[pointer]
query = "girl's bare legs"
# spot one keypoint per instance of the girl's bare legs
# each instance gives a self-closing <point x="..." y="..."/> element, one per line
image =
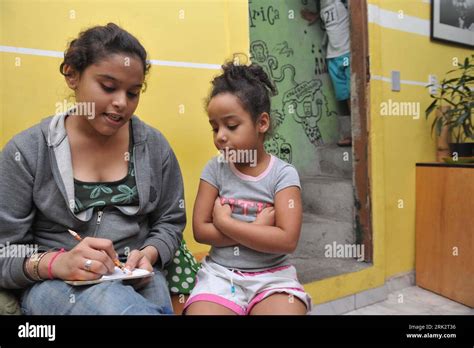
<point x="207" y="308"/>
<point x="347" y="141"/>
<point x="279" y="304"/>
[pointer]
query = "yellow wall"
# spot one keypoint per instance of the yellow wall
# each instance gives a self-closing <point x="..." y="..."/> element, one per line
<point x="405" y="140"/>
<point x="396" y="144"/>
<point x="211" y="31"/>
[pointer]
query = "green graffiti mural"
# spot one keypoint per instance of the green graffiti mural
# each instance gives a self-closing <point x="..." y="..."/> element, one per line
<point x="304" y="111"/>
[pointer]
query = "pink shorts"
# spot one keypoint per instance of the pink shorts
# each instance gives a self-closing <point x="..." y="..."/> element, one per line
<point x="240" y="291"/>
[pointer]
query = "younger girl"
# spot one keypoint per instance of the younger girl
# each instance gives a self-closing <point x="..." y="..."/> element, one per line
<point x="248" y="207"/>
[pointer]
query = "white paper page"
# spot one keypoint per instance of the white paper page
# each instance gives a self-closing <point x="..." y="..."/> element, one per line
<point x="117" y="275"/>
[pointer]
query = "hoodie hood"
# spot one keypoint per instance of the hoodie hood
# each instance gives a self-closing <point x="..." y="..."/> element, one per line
<point x="54" y="131"/>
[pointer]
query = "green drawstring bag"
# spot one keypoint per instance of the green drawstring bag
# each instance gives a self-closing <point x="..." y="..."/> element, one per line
<point x="181" y="272"/>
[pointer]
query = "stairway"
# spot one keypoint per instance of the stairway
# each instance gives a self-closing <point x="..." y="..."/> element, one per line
<point x="328" y="203"/>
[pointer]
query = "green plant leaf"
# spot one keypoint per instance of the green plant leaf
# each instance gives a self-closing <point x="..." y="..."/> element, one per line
<point x="458" y="93"/>
<point x="467" y="130"/>
<point x="430" y="108"/>
<point x="449" y="101"/>
<point x="435" y="121"/>
<point x="451" y="80"/>
<point x="462" y="118"/>
<point x="457" y="89"/>
<point x="450" y="71"/>
<point x="439" y="126"/>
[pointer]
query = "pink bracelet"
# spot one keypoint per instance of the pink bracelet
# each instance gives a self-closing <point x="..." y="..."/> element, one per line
<point x="50" y="264"/>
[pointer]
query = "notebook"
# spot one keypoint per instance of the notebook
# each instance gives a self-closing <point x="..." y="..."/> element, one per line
<point x="117" y="275"/>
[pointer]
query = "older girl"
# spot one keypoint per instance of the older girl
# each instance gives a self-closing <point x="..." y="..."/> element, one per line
<point x="106" y="175"/>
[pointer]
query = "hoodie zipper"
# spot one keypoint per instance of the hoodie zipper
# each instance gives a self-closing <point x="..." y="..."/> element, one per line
<point x="100" y="213"/>
<point x="136" y="176"/>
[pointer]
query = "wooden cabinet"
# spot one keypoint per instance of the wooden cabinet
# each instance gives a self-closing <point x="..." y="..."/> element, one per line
<point x="445" y="230"/>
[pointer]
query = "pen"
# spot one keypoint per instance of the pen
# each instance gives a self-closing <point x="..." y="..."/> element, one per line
<point x="79" y="238"/>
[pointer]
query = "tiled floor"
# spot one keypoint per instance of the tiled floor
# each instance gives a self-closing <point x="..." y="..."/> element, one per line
<point x="412" y="301"/>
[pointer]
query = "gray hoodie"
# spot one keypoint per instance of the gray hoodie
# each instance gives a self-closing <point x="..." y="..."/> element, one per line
<point x="37" y="199"/>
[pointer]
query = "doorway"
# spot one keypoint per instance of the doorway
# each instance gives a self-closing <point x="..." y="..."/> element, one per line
<point x="308" y="121"/>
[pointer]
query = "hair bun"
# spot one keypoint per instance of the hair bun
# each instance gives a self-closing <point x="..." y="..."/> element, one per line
<point x="234" y="71"/>
<point x="260" y="74"/>
<point x="253" y="74"/>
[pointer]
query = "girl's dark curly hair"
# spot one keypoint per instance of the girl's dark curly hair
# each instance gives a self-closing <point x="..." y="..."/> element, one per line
<point x="249" y="83"/>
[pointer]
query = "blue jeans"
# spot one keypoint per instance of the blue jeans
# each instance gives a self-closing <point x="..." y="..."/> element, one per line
<point x="55" y="297"/>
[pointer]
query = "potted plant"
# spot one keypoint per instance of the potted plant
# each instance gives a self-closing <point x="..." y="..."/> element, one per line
<point x="453" y="106"/>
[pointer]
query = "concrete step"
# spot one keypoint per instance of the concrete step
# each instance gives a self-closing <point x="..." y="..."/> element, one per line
<point x="314" y="268"/>
<point x="328" y="196"/>
<point x="310" y="260"/>
<point x="344" y="125"/>
<point x="318" y="231"/>
<point x="332" y="160"/>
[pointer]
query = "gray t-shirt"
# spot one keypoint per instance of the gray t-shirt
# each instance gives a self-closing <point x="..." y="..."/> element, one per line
<point x="336" y="20"/>
<point x="248" y="195"/>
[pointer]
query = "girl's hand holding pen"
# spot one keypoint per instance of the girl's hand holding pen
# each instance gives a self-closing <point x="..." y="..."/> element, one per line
<point x="88" y="260"/>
